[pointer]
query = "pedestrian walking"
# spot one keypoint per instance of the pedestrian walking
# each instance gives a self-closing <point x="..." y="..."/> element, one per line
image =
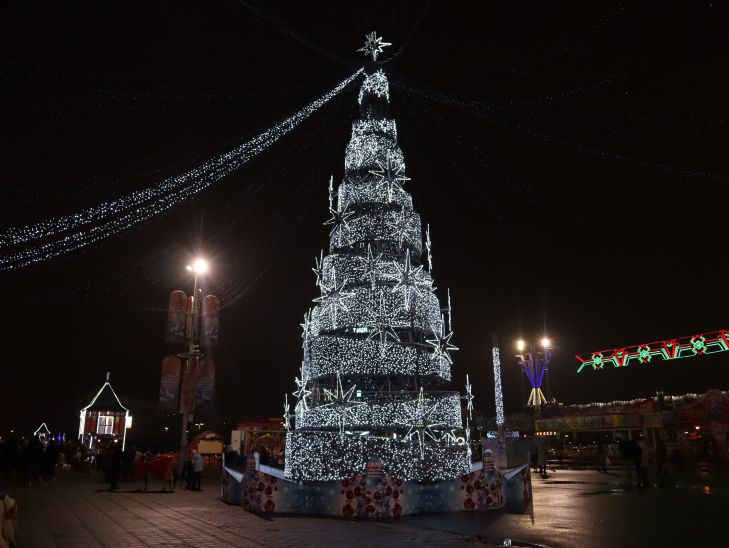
<point x="661" y="457"/>
<point x="197" y="468"/>
<point x="542" y="460"/>
<point x="625" y="448"/>
<point x="602" y="455"/>
<point x="636" y="456"/>
<point x="115" y="463"/>
<point x="645" y="460"/>
<point x="187" y="469"/>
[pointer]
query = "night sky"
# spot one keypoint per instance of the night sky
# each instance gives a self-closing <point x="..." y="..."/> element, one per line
<point x="571" y="160"/>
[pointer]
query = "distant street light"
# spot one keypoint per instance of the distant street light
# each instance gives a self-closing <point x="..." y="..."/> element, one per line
<point x="200" y="266"/>
<point x="535" y="365"/>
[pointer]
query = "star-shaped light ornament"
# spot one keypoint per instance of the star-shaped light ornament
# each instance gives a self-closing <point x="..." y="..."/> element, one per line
<point x="341" y="400"/>
<point x="400" y="223"/>
<point x="305" y="328"/>
<point x="390" y="176"/>
<point x="287" y="413"/>
<point x="419" y="422"/>
<point x="331" y="192"/>
<point x="408" y="279"/>
<point x="382" y="324"/>
<point x="373" y="45"/>
<point x="370" y="265"/>
<point x="428" y="249"/>
<point x="449" y="309"/>
<point x="468" y="398"/>
<point x="335" y="296"/>
<point x="302" y="393"/>
<point x="318" y="264"/>
<point x="338" y="219"/>
<point x="468" y="441"/>
<point x="442" y="345"/>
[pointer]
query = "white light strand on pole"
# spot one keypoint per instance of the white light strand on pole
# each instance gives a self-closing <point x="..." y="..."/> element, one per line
<point x="498" y="395"/>
<point x="61" y="235"/>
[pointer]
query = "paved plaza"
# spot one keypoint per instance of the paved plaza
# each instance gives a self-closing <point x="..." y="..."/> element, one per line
<point x="572" y="508"/>
<point x="78" y="511"/>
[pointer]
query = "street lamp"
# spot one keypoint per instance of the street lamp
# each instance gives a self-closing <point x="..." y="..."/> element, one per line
<point x="193" y="354"/>
<point x="535" y="365"/>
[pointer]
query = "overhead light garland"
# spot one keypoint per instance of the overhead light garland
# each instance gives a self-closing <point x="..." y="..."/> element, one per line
<point x="24" y="245"/>
<point x="670" y="349"/>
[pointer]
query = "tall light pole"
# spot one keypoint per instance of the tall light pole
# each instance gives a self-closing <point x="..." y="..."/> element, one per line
<point x="498" y="394"/>
<point x="193" y="354"/>
<point x="535" y="365"/>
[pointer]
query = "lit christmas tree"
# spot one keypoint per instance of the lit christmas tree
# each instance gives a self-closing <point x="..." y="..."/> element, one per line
<point x="377" y="342"/>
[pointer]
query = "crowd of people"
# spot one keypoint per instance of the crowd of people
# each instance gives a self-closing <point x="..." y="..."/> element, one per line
<point x="35" y="460"/>
<point x="638" y="457"/>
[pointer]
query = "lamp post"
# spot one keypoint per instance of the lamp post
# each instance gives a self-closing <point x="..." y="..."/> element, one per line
<point x="535" y="365"/>
<point x="193" y="354"/>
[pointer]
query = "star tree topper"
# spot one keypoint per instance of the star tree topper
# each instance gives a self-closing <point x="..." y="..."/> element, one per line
<point x="373" y="45"/>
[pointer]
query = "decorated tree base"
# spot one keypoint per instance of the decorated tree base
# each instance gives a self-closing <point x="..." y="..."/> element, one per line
<point x="384" y="497"/>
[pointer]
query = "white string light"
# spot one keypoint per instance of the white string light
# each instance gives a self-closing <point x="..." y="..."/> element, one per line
<point x="50" y="238"/>
<point x="498" y="395"/>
